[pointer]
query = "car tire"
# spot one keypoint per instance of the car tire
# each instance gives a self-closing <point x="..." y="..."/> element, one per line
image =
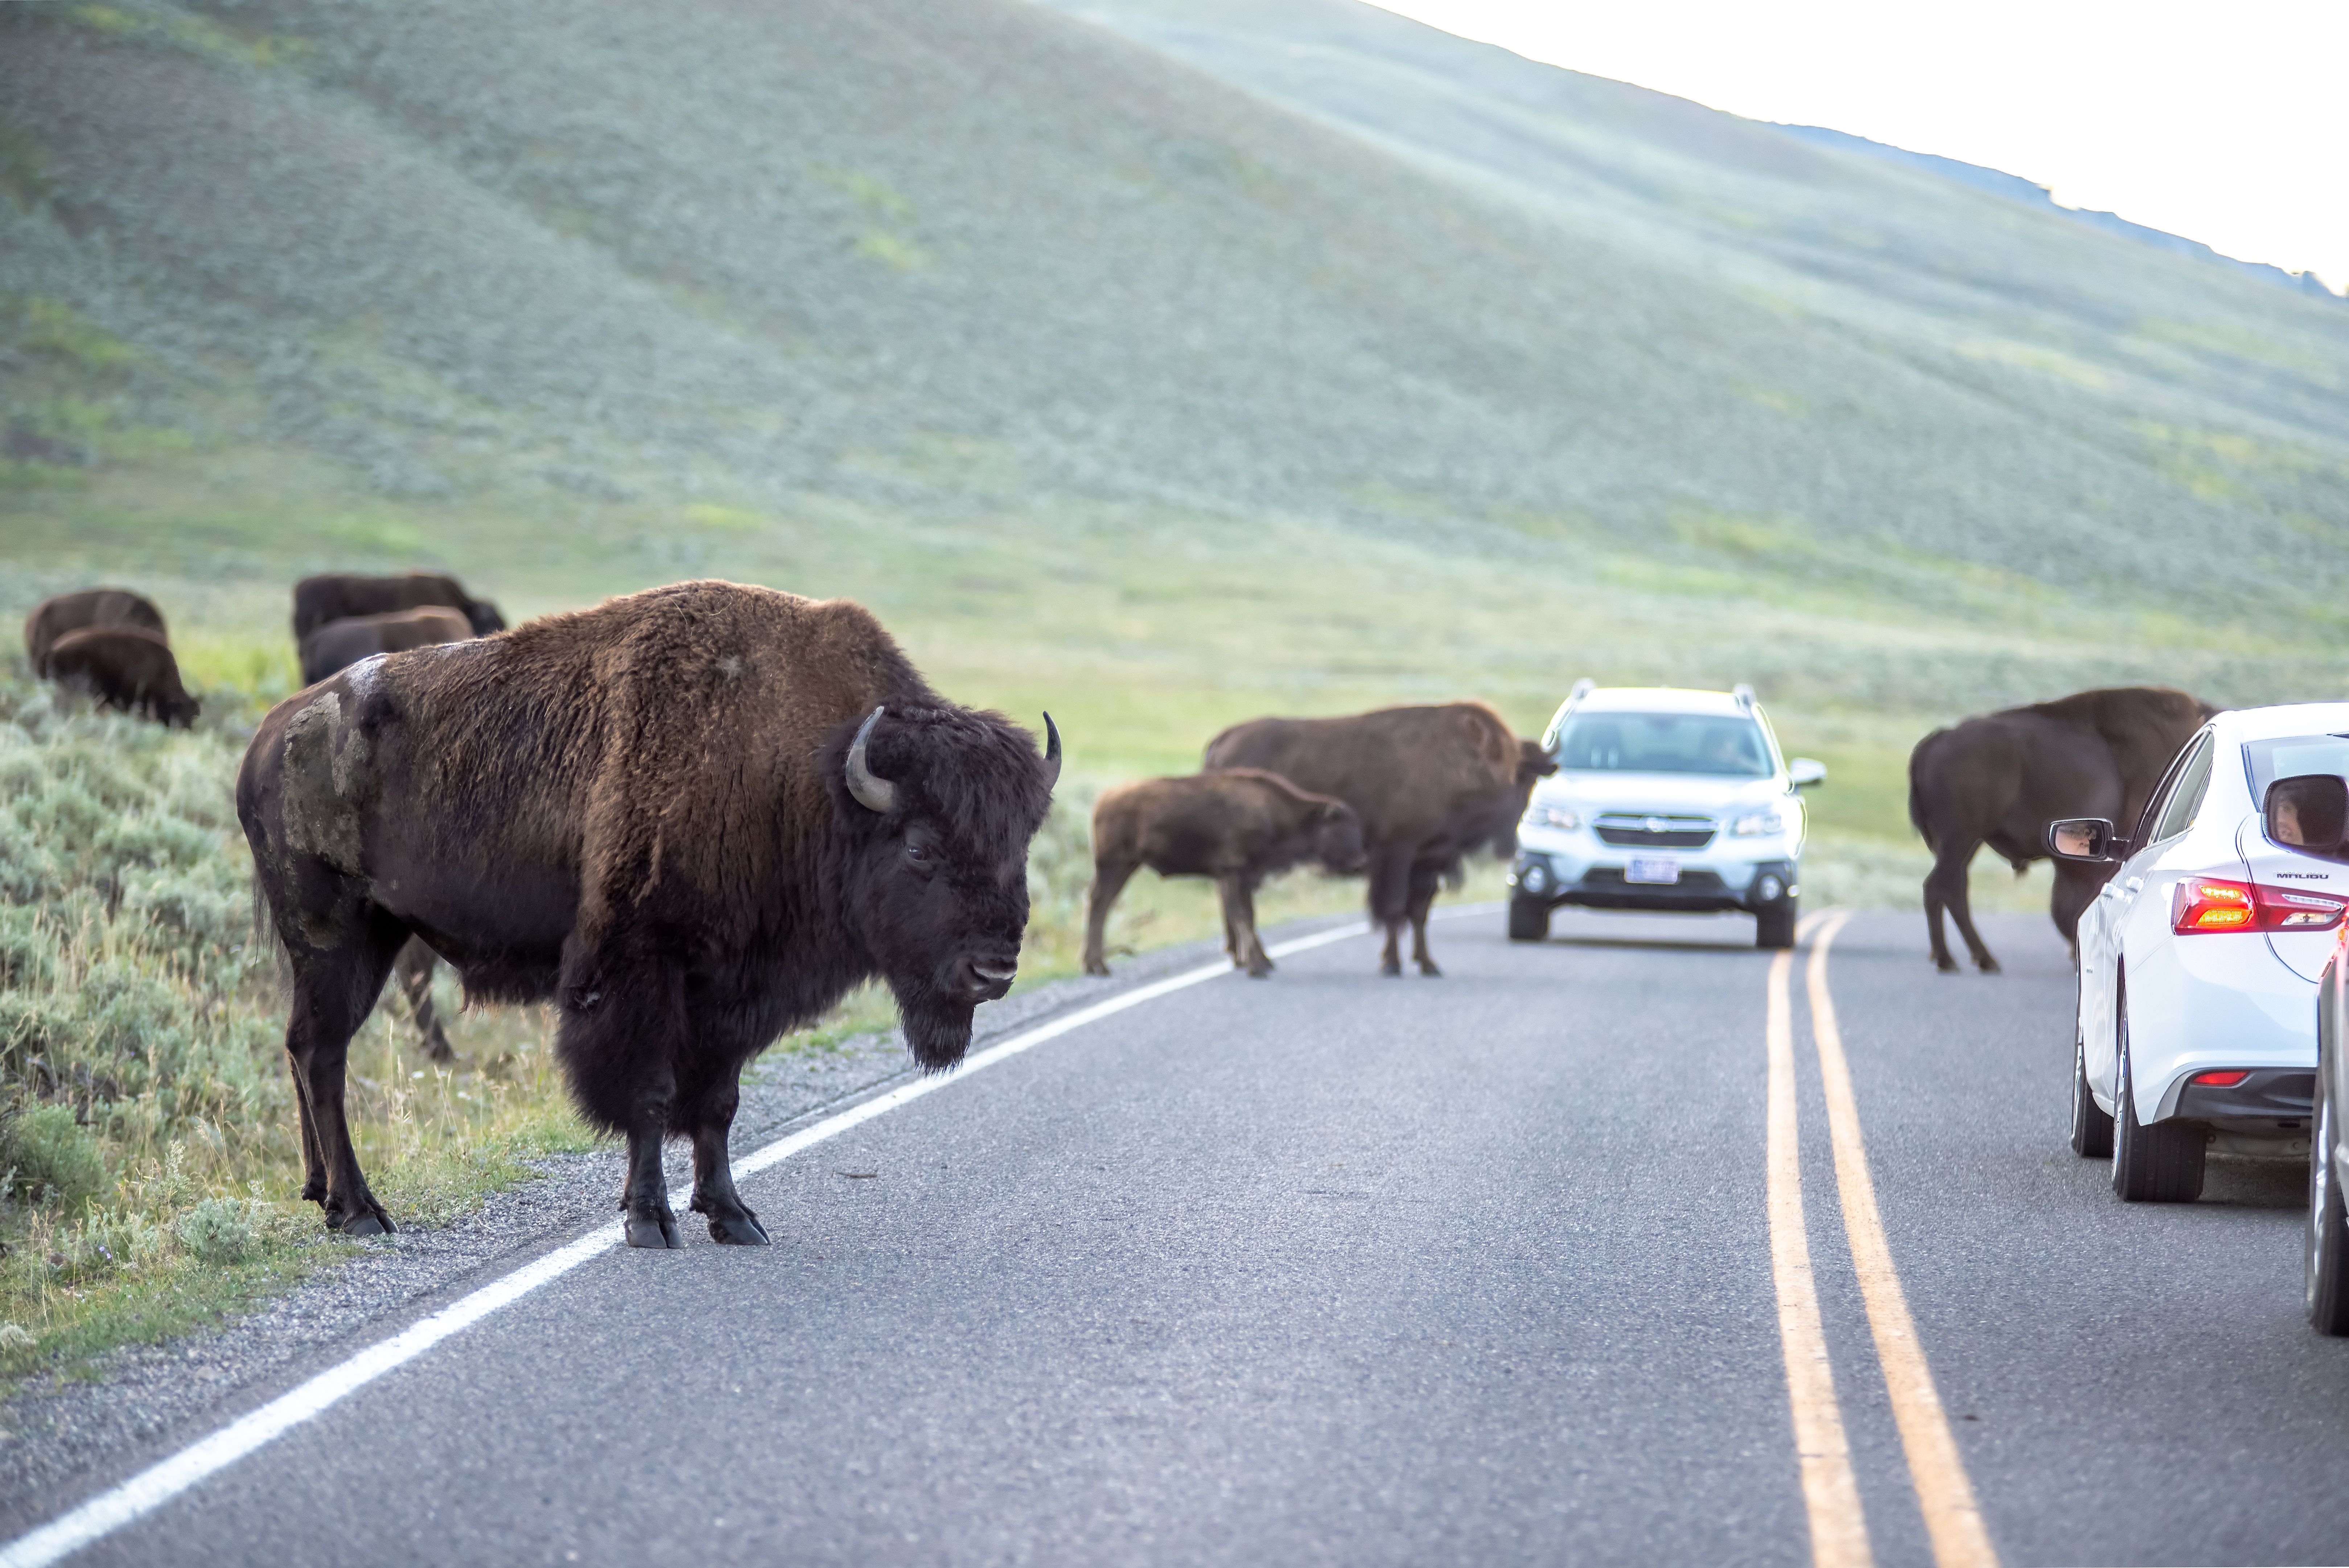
<point x="1773" y="925"/>
<point x="1528" y="920"/>
<point x="2158" y="1164"/>
<point x="2092" y="1125"/>
<point x="2327" y="1251"/>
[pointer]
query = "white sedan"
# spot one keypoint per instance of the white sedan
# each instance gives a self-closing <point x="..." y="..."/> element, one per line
<point x="2200" y="960"/>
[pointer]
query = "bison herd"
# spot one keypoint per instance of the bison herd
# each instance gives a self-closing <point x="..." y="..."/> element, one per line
<point x="693" y="818"/>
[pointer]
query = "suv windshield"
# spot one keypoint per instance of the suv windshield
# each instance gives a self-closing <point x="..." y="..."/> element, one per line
<point x="1664" y="743"/>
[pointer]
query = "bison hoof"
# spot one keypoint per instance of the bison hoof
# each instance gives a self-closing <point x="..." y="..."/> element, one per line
<point x="1261" y="970"/>
<point x="653" y="1230"/>
<point x="1427" y="967"/>
<point x="1988" y="967"/>
<point x="1095" y="967"/>
<point x="1391" y="969"/>
<point x="366" y="1222"/>
<point x="742" y="1230"/>
<point x="1946" y="966"/>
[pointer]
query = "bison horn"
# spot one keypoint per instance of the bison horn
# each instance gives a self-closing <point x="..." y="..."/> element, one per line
<point x="1052" y="753"/>
<point x="872" y="792"/>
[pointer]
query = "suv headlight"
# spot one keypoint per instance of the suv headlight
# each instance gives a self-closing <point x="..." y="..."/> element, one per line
<point x="1753" y="824"/>
<point x="1553" y="817"/>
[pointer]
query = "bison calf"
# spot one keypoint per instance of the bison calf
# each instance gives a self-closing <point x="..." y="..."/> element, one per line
<point x="338" y="645"/>
<point x="1239" y="825"/>
<point x="53" y="618"/>
<point x="126" y="667"/>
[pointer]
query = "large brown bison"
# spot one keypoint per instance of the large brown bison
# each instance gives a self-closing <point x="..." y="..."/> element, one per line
<point x="2000" y="778"/>
<point x="692" y="818"/>
<point x="53" y="618"/>
<point x="1238" y="826"/>
<point x="338" y="645"/>
<point x="341" y="596"/>
<point x="126" y="667"/>
<point x="1432" y="786"/>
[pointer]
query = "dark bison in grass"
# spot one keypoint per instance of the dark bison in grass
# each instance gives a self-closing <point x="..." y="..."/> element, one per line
<point x="1238" y="826"/>
<point x="338" y="645"/>
<point x="126" y="667"/>
<point x="341" y="596"/>
<point x="2000" y="778"/>
<point x="691" y="818"/>
<point x="1432" y="786"/>
<point x="53" y="618"/>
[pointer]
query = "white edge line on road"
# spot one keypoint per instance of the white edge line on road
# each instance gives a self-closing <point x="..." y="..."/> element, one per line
<point x="110" y="1511"/>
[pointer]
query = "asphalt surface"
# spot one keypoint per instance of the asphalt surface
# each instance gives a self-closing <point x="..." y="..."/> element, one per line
<point x="1331" y="1268"/>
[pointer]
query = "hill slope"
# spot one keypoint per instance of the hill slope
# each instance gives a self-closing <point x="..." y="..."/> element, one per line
<point x="1294" y="295"/>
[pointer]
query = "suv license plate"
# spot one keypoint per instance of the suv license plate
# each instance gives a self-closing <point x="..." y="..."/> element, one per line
<point x="1654" y="870"/>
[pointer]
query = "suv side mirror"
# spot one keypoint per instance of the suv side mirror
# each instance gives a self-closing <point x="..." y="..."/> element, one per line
<point x="2091" y="840"/>
<point x="2309" y="813"/>
<point x="1806" y="773"/>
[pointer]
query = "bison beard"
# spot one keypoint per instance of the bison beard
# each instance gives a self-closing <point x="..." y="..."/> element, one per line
<point x="693" y="818"/>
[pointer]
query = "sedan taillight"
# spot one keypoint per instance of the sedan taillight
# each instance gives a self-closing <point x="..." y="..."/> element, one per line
<point x="2207" y="904"/>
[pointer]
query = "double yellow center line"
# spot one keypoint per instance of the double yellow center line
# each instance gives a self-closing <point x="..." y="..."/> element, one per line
<point x="1830" y="1490"/>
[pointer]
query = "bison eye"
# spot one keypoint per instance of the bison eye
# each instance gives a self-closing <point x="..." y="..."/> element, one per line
<point x="920" y="853"/>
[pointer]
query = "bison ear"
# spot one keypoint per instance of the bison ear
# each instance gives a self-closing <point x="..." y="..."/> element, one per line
<point x="872" y="792"/>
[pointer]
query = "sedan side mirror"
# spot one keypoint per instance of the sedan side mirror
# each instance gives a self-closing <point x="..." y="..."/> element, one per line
<point x="2091" y="840"/>
<point x="2309" y="813"/>
<point x="1804" y="772"/>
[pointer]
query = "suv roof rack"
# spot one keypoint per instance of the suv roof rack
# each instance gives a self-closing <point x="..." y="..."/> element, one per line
<point x="1744" y="694"/>
<point x="1582" y="688"/>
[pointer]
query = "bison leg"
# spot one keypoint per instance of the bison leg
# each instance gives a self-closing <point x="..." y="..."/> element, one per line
<point x="1109" y="881"/>
<point x="731" y="1220"/>
<point x="623" y="1024"/>
<point x="1239" y="896"/>
<point x="1424" y="880"/>
<point x="2076" y="889"/>
<point x="333" y="990"/>
<point x="414" y="967"/>
<point x="1390" y="903"/>
<point x="1945" y="888"/>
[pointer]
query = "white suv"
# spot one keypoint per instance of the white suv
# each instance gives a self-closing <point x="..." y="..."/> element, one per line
<point x="1663" y="799"/>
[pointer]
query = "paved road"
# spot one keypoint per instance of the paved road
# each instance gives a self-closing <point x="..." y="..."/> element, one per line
<point x="1335" y="1269"/>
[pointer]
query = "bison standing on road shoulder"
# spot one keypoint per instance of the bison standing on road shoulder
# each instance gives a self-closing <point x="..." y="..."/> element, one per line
<point x="1238" y="826"/>
<point x="126" y="667"/>
<point x="1999" y="779"/>
<point x="692" y="818"/>
<point x="338" y="645"/>
<point x="53" y="618"/>
<point x="1431" y="785"/>
<point x="343" y="596"/>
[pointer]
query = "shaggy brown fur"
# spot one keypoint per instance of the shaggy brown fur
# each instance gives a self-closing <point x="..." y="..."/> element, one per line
<point x="1431" y="785"/>
<point x="2000" y="778"/>
<point x="343" y="596"/>
<point x="53" y="618"/>
<point x="338" y="645"/>
<point x="1238" y="826"/>
<point x="643" y="811"/>
<point x="126" y="667"/>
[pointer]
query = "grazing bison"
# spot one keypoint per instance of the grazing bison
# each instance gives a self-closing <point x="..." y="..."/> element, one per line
<point x="1431" y="785"/>
<point x="2000" y="778"/>
<point x="340" y="596"/>
<point x="338" y="645"/>
<point x="126" y="667"/>
<point x="1238" y="826"/>
<point x="692" y="818"/>
<point x="53" y="618"/>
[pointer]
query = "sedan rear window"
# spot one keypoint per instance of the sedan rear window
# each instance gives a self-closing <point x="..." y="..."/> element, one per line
<point x="2292" y="755"/>
<point x="1664" y="743"/>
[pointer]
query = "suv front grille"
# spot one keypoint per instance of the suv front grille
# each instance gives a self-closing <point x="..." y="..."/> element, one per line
<point x="1627" y="832"/>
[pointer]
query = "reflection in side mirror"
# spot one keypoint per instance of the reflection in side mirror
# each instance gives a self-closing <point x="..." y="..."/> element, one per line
<point x="1804" y="772"/>
<point x="2309" y="813"/>
<point x="2088" y="838"/>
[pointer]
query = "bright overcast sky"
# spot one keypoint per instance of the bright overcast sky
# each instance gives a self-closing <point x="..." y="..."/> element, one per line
<point x="2228" y="123"/>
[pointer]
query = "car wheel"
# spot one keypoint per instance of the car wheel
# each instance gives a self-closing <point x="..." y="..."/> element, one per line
<point x="2092" y="1126"/>
<point x="2157" y="1164"/>
<point x="2328" y="1223"/>
<point x="1528" y="920"/>
<point x="1773" y="924"/>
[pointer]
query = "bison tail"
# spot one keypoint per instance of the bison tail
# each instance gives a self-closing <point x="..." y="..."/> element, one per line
<point x="264" y="929"/>
<point x="1917" y="805"/>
